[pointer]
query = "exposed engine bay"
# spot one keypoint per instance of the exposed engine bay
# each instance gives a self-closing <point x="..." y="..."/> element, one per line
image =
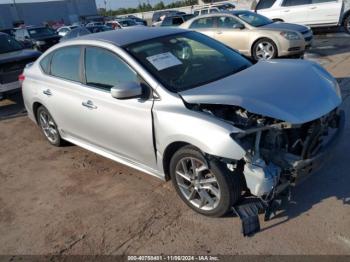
<point x="278" y="154"/>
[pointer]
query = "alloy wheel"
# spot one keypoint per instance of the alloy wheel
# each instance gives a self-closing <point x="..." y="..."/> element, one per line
<point x="265" y="50"/>
<point x="48" y="126"/>
<point x="197" y="183"/>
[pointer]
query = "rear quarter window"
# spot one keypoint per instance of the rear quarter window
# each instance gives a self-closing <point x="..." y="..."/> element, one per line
<point x="45" y="63"/>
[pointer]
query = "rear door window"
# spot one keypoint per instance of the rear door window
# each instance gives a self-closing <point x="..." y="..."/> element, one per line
<point x="296" y="2"/>
<point x="207" y="22"/>
<point x="322" y="1"/>
<point x="65" y="63"/>
<point x="264" y="4"/>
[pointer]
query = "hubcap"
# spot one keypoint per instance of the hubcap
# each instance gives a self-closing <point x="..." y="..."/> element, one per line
<point x="197" y="183"/>
<point x="48" y="126"/>
<point x="265" y="50"/>
<point x="348" y="25"/>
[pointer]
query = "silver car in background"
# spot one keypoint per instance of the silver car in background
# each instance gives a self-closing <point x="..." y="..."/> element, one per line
<point x="179" y="105"/>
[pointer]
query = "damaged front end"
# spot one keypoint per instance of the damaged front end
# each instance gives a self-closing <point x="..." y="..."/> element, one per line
<point x="278" y="154"/>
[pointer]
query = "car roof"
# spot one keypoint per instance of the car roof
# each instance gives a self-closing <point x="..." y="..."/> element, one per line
<point x="131" y="35"/>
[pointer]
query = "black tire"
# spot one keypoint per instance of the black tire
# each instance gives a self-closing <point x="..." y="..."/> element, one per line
<point x="229" y="183"/>
<point x="58" y="141"/>
<point x="347" y="23"/>
<point x="264" y="41"/>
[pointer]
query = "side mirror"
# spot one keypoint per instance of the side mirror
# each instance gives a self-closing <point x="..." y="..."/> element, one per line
<point x="239" y="26"/>
<point x="126" y="90"/>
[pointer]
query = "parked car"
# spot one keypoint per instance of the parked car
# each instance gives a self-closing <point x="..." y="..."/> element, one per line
<point x="9" y="31"/>
<point x="62" y="31"/>
<point x="175" y="20"/>
<point x="254" y="35"/>
<point x="206" y="10"/>
<point x="136" y="19"/>
<point x="178" y="104"/>
<point x="98" y="28"/>
<point x="122" y="23"/>
<point x="94" y="23"/>
<point x="38" y="37"/>
<point x="79" y="31"/>
<point x="314" y="13"/>
<point x="214" y="8"/>
<point x="157" y="15"/>
<point x="13" y="58"/>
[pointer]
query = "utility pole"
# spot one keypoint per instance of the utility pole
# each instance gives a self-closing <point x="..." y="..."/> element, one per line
<point x="16" y="11"/>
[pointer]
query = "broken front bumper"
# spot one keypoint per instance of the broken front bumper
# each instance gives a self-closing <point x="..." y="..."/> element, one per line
<point x="303" y="168"/>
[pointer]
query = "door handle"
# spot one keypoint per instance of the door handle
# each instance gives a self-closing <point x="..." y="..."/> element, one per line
<point x="286" y="10"/>
<point x="219" y="32"/>
<point x="47" y="92"/>
<point x="313" y="7"/>
<point x="89" y="104"/>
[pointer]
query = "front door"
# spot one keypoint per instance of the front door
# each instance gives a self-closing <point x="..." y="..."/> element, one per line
<point x="232" y="33"/>
<point x="324" y="12"/>
<point x="122" y="127"/>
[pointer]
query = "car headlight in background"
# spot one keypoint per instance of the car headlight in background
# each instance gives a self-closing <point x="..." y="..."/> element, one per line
<point x="290" y="35"/>
<point x="40" y="42"/>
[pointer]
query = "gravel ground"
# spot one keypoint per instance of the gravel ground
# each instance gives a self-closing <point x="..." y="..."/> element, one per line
<point x="70" y="201"/>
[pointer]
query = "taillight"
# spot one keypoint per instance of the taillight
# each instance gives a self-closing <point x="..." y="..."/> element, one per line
<point x="21" y="78"/>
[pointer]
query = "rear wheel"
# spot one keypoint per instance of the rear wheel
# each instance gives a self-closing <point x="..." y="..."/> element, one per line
<point x="207" y="187"/>
<point x="48" y="126"/>
<point x="347" y="23"/>
<point x="264" y="49"/>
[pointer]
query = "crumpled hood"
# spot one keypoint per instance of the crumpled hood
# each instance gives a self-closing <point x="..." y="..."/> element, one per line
<point x="286" y="26"/>
<point x="294" y="91"/>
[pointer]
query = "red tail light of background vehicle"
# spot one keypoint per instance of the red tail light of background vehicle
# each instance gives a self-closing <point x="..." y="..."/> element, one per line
<point x="21" y="78"/>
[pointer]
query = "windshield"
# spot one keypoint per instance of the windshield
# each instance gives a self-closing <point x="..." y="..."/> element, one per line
<point x="9" y="44"/>
<point x="187" y="60"/>
<point x="40" y="32"/>
<point x="254" y="19"/>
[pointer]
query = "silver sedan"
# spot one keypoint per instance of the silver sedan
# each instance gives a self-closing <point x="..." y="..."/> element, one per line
<point x="179" y="105"/>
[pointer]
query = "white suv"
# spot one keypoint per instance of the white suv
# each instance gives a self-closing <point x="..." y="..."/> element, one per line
<point x="315" y="13"/>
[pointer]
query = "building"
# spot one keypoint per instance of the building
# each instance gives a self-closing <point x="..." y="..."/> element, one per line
<point x="39" y="12"/>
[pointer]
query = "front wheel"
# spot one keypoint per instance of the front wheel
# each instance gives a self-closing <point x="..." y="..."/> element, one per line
<point x="264" y="49"/>
<point x="347" y="23"/>
<point x="207" y="187"/>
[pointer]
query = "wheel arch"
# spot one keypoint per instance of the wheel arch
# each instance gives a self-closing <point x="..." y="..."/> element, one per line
<point x="277" y="20"/>
<point x="167" y="155"/>
<point x="345" y="15"/>
<point x="264" y="37"/>
<point x="35" y="108"/>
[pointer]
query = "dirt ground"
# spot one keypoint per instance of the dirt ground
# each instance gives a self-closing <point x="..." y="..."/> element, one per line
<point x="70" y="201"/>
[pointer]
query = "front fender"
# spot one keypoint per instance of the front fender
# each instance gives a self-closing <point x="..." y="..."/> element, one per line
<point x="206" y="132"/>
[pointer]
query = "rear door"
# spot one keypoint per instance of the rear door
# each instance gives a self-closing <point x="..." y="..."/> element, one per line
<point x="324" y="12"/>
<point x="205" y="25"/>
<point x="60" y="90"/>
